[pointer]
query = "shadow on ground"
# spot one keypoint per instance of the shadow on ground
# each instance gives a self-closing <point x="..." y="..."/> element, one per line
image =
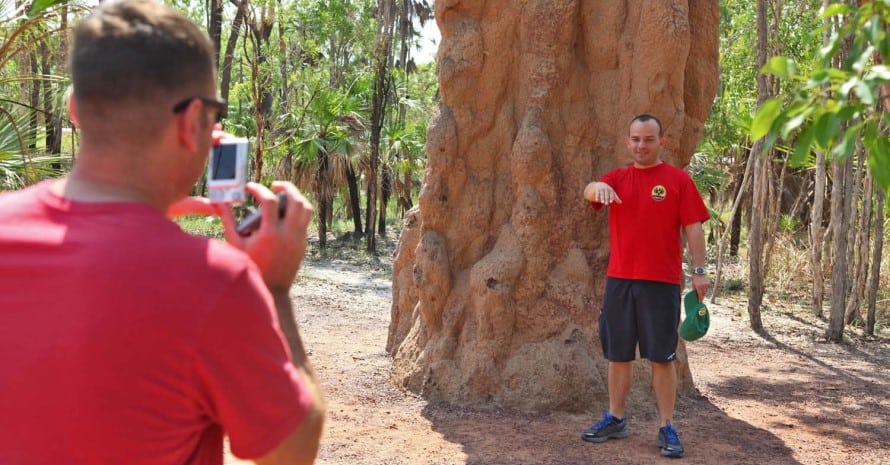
<point x="501" y="438"/>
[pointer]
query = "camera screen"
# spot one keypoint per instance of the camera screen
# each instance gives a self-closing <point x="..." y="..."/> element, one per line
<point x="225" y="158"/>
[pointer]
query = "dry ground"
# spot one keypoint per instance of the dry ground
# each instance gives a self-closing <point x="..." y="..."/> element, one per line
<point x="784" y="399"/>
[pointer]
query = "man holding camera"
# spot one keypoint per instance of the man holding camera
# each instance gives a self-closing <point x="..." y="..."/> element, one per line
<point x="123" y="339"/>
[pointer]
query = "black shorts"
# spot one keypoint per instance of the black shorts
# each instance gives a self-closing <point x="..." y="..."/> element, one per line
<point x="644" y="312"/>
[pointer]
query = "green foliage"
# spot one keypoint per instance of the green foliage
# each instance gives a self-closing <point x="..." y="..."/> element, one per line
<point x="829" y="108"/>
<point x="22" y="32"/>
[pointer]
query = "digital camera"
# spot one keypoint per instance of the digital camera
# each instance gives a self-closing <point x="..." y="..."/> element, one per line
<point x="227" y="171"/>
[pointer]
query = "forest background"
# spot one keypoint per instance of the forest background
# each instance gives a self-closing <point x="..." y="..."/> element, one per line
<point x="793" y="164"/>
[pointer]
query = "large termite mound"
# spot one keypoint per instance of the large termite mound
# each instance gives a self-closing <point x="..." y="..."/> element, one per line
<point x="499" y="272"/>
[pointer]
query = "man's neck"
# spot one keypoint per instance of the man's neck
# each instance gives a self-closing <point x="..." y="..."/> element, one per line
<point x="89" y="189"/>
<point x="646" y="167"/>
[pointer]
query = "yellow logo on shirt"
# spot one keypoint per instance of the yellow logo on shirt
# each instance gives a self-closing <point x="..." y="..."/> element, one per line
<point x="659" y="193"/>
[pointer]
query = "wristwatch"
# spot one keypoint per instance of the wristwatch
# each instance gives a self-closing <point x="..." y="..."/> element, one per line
<point x="699" y="271"/>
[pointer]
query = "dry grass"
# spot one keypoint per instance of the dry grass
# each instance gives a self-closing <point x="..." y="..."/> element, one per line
<point x="790" y="277"/>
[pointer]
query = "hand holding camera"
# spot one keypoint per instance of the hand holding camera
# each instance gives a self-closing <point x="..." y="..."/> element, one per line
<point x="278" y="242"/>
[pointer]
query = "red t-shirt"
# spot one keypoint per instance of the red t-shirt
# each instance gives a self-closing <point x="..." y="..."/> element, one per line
<point x="125" y="340"/>
<point x="644" y="230"/>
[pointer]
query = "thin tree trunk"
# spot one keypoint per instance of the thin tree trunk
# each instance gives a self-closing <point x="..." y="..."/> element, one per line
<point x="817" y="216"/>
<point x="736" y="214"/>
<point x="860" y="241"/>
<point x="34" y="100"/>
<point x="225" y="78"/>
<point x="52" y="121"/>
<point x="214" y="25"/>
<point x="877" y="253"/>
<point x="386" y="183"/>
<point x="774" y="200"/>
<point x="759" y="198"/>
<point x="354" y="202"/>
<point x="735" y="237"/>
<point x="383" y="45"/>
<point x="840" y="219"/>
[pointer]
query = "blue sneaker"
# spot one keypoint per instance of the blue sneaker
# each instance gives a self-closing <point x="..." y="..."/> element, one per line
<point x="669" y="441"/>
<point x="607" y="428"/>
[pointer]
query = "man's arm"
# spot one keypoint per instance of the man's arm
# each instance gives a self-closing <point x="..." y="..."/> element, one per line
<point x="695" y="239"/>
<point x="301" y="446"/>
<point x="277" y="248"/>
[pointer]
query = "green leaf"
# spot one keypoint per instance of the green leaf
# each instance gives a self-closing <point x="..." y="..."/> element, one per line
<point x="880" y="72"/>
<point x="39" y="6"/>
<point x="865" y="93"/>
<point x="780" y="66"/>
<point x="879" y="162"/>
<point x="817" y="79"/>
<point x="802" y="147"/>
<point x="835" y="9"/>
<point x="848" y="143"/>
<point x="873" y="30"/>
<point x="826" y="128"/>
<point x="794" y="123"/>
<point x="766" y="114"/>
<point x="849" y="85"/>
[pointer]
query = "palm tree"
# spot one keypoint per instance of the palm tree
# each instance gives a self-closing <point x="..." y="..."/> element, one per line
<point x="325" y="151"/>
<point x="22" y="33"/>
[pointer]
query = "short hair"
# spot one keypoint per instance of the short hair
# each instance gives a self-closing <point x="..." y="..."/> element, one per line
<point x="647" y="117"/>
<point x="138" y="51"/>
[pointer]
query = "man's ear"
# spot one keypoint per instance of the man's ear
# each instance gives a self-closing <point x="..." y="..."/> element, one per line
<point x="72" y="110"/>
<point x="188" y="125"/>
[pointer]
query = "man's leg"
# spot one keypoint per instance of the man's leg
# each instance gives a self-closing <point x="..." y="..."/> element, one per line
<point x="664" y="383"/>
<point x="619" y="387"/>
<point x="613" y="424"/>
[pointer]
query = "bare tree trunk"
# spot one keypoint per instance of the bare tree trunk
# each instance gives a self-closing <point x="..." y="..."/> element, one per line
<point x="735" y="216"/>
<point x="383" y="45"/>
<point x="817" y="216"/>
<point x="261" y="29"/>
<point x="735" y="237"/>
<point x="52" y="120"/>
<point x="214" y="25"/>
<point x="354" y="202"/>
<point x="877" y="253"/>
<point x="225" y="74"/>
<point x="33" y="100"/>
<point x="861" y="238"/>
<point x="386" y="183"/>
<point x="840" y="220"/>
<point x="759" y="198"/>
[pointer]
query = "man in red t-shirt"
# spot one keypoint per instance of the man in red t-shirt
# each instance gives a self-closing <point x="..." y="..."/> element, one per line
<point x="123" y="339"/>
<point x="650" y="202"/>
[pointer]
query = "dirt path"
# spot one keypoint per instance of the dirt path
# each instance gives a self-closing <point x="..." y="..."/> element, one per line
<point x="784" y="400"/>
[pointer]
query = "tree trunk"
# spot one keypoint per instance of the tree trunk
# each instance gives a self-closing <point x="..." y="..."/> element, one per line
<point x="385" y="193"/>
<point x="735" y="237"/>
<point x="842" y="177"/>
<point x="214" y="25"/>
<point x="383" y="45"/>
<point x="354" y="202"/>
<point x="759" y="197"/>
<point x="52" y="120"/>
<point x="735" y="213"/>
<point x="225" y="74"/>
<point x="499" y="276"/>
<point x="33" y="100"/>
<point x="861" y="239"/>
<point x="877" y="253"/>
<point x="261" y="22"/>
<point x="817" y="217"/>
